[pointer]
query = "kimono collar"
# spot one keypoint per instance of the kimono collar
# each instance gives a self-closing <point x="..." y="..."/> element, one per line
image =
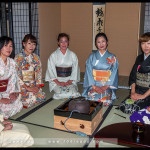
<point x="103" y="53"/>
<point x="2" y="65"/>
<point x="2" y="61"/>
<point x="25" y="55"/>
<point x="145" y="56"/>
<point x="98" y="54"/>
<point x="61" y="52"/>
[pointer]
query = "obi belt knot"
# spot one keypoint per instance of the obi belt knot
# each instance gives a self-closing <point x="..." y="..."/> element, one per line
<point x="28" y="75"/>
<point x="3" y="85"/>
<point x="143" y="79"/>
<point x="63" y="72"/>
<point x="101" y="75"/>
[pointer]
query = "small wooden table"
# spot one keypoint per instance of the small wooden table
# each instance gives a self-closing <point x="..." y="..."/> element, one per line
<point x="123" y="133"/>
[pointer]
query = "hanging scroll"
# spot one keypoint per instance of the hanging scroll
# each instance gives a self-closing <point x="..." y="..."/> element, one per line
<point x="98" y="20"/>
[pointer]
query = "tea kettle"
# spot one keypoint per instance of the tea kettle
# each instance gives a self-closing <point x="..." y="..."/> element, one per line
<point x="80" y="104"/>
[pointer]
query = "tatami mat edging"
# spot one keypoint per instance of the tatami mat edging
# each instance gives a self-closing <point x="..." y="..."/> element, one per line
<point x="33" y="110"/>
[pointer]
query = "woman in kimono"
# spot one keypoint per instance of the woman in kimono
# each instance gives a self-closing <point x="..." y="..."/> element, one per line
<point x="10" y="102"/>
<point x="29" y="70"/>
<point x="139" y="80"/>
<point x="63" y="71"/>
<point x="101" y="74"/>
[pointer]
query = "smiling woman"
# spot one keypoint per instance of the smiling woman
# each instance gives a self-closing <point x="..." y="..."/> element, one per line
<point x="101" y="74"/>
<point x="63" y="71"/>
<point x="10" y="102"/>
<point x="29" y="70"/>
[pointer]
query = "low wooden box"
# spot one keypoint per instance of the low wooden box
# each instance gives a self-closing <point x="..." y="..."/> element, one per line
<point x="86" y="123"/>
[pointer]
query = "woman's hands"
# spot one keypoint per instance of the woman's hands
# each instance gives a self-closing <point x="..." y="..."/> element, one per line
<point x="136" y="96"/>
<point x="33" y="89"/>
<point x="5" y="101"/>
<point x="101" y="89"/>
<point x="7" y="125"/>
<point x="69" y="82"/>
<point x="12" y="98"/>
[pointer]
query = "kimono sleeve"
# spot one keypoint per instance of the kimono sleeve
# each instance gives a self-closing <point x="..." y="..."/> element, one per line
<point x="88" y="77"/>
<point x="132" y="77"/>
<point x="75" y="75"/>
<point x="13" y="83"/>
<point x="51" y="69"/>
<point x="113" y="80"/>
<point x="38" y="71"/>
<point x="18" y="60"/>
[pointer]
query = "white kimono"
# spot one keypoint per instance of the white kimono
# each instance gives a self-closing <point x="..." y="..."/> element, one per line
<point x="9" y="72"/>
<point x="18" y="136"/>
<point x="58" y="59"/>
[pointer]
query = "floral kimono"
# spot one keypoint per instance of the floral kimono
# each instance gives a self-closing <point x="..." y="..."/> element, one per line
<point x="30" y="73"/>
<point x="63" y="68"/>
<point x="9" y="83"/>
<point x="140" y="75"/>
<point x="101" y="70"/>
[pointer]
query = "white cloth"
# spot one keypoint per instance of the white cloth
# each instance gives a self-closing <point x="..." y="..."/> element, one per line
<point x="18" y="136"/>
<point x="58" y="59"/>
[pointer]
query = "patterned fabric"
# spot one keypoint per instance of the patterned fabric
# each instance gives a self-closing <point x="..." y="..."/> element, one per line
<point x="143" y="79"/>
<point x="141" y="116"/>
<point x="31" y="63"/>
<point x="101" y="75"/>
<point x="100" y="71"/>
<point x="63" y="72"/>
<point x="136" y="106"/>
<point x="9" y="72"/>
<point x="65" y="92"/>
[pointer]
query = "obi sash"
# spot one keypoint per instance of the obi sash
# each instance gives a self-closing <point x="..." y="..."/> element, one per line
<point x="63" y="72"/>
<point x="3" y="85"/>
<point x="101" y="75"/>
<point x="28" y="75"/>
<point x="143" y="79"/>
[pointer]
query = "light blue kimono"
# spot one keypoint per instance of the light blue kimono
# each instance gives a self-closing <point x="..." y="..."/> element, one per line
<point x="97" y="61"/>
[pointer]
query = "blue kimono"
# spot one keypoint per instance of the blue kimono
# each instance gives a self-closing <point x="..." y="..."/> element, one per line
<point x="106" y="63"/>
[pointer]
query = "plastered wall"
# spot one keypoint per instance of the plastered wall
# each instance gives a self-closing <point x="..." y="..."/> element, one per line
<point x="122" y="26"/>
<point x="49" y="27"/>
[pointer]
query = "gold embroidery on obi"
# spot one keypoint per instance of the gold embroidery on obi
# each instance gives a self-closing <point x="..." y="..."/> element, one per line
<point x="143" y="79"/>
<point x="28" y="75"/>
<point x="101" y="75"/>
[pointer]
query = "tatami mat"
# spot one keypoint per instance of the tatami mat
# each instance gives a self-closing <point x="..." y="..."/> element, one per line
<point x="44" y="115"/>
<point x="113" y="118"/>
<point x="46" y="137"/>
<point x="121" y="95"/>
<point x="24" y="111"/>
